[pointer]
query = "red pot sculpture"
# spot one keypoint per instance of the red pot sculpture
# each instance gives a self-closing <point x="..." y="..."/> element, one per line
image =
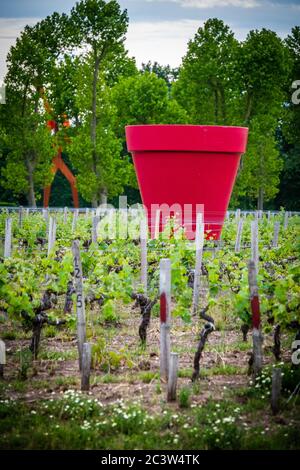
<point x="182" y="166"/>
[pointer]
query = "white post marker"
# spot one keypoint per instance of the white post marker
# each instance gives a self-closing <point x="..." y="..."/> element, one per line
<point x="86" y="366"/>
<point x="2" y="358"/>
<point x="276" y="234"/>
<point x="80" y="306"/>
<point x="238" y="239"/>
<point x="144" y="263"/>
<point x="172" y="379"/>
<point x="8" y="237"/>
<point x="199" y="252"/>
<point x="254" y="244"/>
<point x="165" y="304"/>
<point x="237" y="215"/>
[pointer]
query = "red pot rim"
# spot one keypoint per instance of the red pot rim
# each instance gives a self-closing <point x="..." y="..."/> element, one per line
<point x="186" y="137"/>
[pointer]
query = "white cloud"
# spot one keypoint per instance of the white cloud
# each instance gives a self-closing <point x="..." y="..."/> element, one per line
<point x="163" y="41"/>
<point x="10" y="29"/>
<point x="213" y="3"/>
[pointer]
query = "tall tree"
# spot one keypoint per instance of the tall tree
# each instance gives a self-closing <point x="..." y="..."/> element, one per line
<point x="289" y="136"/>
<point x="206" y="87"/>
<point x="222" y="81"/>
<point x="105" y="171"/>
<point x="263" y="70"/>
<point x="99" y="27"/>
<point x="30" y="63"/>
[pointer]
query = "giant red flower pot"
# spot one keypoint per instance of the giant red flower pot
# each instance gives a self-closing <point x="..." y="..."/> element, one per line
<point x="182" y="167"/>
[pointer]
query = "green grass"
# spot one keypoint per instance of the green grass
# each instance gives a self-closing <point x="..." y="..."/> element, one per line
<point x="184" y="397"/>
<point x="77" y="421"/>
<point x="58" y="355"/>
<point x="148" y="376"/>
<point x="224" y="369"/>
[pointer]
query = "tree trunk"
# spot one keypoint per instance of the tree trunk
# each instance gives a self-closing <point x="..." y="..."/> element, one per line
<point x="103" y="197"/>
<point x="260" y="199"/>
<point x="94" y="201"/>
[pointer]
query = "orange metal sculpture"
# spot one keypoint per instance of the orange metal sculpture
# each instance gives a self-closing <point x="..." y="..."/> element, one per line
<point x="57" y="162"/>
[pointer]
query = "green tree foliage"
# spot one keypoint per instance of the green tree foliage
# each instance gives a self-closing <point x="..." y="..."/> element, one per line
<point x="144" y="99"/>
<point x="162" y="71"/>
<point x="263" y="71"/>
<point x="206" y="87"/>
<point x="105" y="171"/>
<point x="290" y="136"/>
<point x="262" y="163"/>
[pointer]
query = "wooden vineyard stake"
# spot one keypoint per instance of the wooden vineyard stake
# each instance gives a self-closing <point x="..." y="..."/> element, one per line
<point x="172" y="379"/>
<point x="254" y="244"/>
<point x="95" y="222"/>
<point x="20" y="216"/>
<point x="87" y="213"/>
<point x="255" y="309"/>
<point x="199" y="251"/>
<point x="269" y="215"/>
<point x="144" y="263"/>
<point x="276" y="390"/>
<point x="65" y="214"/>
<point x="80" y="306"/>
<point x="157" y="223"/>
<point x="286" y="220"/>
<point x="276" y="234"/>
<point x="51" y="234"/>
<point x="165" y="302"/>
<point x="238" y="239"/>
<point x="2" y="358"/>
<point x="8" y="237"/>
<point x="75" y="217"/>
<point x="237" y="215"/>
<point x="86" y="366"/>
<point x="45" y="214"/>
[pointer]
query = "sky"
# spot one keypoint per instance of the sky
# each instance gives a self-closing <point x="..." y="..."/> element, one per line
<point x="159" y="30"/>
